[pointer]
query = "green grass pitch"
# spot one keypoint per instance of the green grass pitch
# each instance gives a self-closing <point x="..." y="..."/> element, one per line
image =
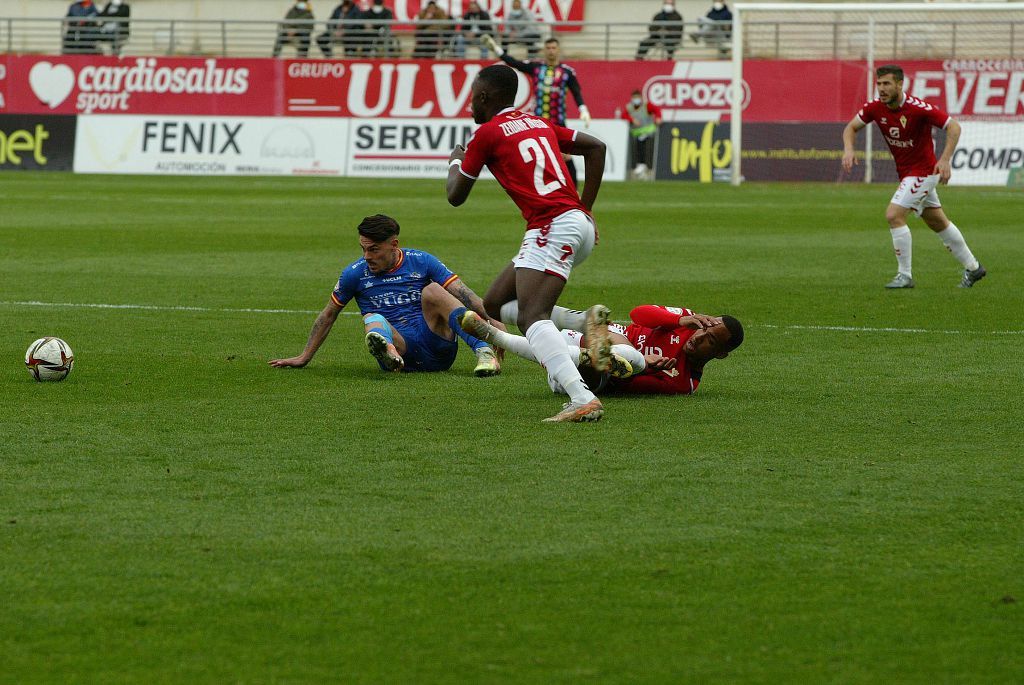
<point x="841" y="502"/>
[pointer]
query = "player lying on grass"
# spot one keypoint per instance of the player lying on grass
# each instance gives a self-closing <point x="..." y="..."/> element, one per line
<point x="410" y="302"/>
<point x="663" y="351"/>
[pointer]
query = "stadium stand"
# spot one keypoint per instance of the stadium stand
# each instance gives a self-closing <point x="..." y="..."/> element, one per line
<point x="610" y="30"/>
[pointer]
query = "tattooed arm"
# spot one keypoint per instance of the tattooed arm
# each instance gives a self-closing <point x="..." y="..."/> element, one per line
<point x="321" y="327"/>
<point x="470" y="300"/>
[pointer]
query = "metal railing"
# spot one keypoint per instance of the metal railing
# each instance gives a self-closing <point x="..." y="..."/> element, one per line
<point x="931" y="39"/>
<point x="790" y="39"/>
<point x="237" y="38"/>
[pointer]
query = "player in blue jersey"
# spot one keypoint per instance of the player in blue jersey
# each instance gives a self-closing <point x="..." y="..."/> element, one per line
<point x="410" y="302"/>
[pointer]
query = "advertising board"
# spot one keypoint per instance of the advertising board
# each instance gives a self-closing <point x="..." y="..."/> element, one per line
<point x="773" y="91"/>
<point x="419" y="148"/>
<point x="36" y="142"/>
<point x="108" y="144"/>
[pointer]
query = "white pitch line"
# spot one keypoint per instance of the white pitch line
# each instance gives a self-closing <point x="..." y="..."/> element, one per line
<point x="160" y="308"/>
<point x="252" y="310"/>
<point x="869" y="329"/>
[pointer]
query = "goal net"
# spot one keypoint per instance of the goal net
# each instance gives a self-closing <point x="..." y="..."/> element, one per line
<point x="801" y="71"/>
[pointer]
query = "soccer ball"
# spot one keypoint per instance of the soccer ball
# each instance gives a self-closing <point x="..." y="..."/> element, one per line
<point x="49" y="359"/>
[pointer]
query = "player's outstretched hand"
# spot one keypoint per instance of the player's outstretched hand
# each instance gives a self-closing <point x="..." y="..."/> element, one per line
<point x="488" y="40"/>
<point x="943" y="170"/>
<point x="291" y="362"/>
<point x="459" y="153"/>
<point x="849" y="161"/>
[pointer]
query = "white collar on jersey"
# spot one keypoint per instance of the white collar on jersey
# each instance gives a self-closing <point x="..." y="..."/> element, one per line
<point x="507" y="109"/>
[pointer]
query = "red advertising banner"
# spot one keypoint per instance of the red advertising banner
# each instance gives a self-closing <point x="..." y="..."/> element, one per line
<point x="380" y="88"/>
<point x="773" y="91"/>
<point x="82" y="84"/>
<point x="834" y="90"/>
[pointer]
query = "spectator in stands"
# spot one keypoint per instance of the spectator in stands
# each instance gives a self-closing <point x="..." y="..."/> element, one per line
<point x="432" y="29"/>
<point x="115" y="28"/>
<point x="80" y="28"/>
<point x="715" y="27"/>
<point x="521" y="29"/>
<point x="296" y="29"/>
<point x="379" y="39"/>
<point x="339" y="33"/>
<point x="643" y="118"/>
<point x="475" y="23"/>
<point x="666" y="29"/>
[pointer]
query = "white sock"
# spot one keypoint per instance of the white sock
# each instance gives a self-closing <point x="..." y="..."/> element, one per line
<point x="901" y="245"/>
<point x="631" y="355"/>
<point x="510" y="313"/>
<point x="562" y="317"/>
<point x="569" y="318"/>
<point x="955" y="243"/>
<point x="516" y="344"/>
<point x="552" y="353"/>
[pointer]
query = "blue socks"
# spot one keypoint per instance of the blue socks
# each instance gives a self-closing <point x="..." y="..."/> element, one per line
<point x="453" y="322"/>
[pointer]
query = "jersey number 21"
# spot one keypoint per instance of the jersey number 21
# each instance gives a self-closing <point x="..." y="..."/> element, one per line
<point x="530" y="149"/>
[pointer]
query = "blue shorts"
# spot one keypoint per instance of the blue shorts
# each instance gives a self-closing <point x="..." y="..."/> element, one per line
<point x="426" y="350"/>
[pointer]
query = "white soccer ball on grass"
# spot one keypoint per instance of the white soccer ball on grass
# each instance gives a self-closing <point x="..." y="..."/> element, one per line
<point x="49" y="359"/>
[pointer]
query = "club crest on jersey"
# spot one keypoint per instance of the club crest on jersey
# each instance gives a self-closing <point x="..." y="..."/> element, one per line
<point x="903" y="122"/>
<point x="674" y="339"/>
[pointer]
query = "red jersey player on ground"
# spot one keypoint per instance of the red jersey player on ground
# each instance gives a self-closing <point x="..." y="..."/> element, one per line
<point x="522" y="152"/>
<point x="906" y="124"/>
<point x="663" y="351"/>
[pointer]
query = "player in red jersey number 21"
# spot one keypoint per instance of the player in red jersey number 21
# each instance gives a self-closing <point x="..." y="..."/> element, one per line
<point x="906" y="124"/>
<point x="523" y="152"/>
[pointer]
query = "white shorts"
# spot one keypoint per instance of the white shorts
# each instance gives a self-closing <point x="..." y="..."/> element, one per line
<point x="559" y="246"/>
<point x="917" y="193"/>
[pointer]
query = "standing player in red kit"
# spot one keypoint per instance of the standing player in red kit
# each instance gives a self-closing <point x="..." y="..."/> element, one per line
<point x="522" y="151"/>
<point x="906" y="124"/>
<point x="662" y="351"/>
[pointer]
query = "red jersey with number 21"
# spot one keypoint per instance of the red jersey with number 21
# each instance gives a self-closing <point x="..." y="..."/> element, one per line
<point x="908" y="131"/>
<point x="524" y="154"/>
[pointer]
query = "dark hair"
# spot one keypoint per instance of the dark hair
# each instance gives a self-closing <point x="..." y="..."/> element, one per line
<point x="735" y="329"/>
<point x="552" y="40"/>
<point x="596" y="380"/>
<point x="501" y="82"/>
<point x="379" y="228"/>
<point x="893" y="69"/>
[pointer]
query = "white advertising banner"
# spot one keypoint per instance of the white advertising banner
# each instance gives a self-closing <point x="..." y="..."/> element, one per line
<point x="419" y="148"/>
<point x="187" y="145"/>
<point x="615" y="134"/>
<point x="405" y="148"/>
<point x="987" y="152"/>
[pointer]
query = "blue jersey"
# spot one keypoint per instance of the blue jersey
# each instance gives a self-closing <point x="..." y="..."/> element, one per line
<point x="395" y="295"/>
